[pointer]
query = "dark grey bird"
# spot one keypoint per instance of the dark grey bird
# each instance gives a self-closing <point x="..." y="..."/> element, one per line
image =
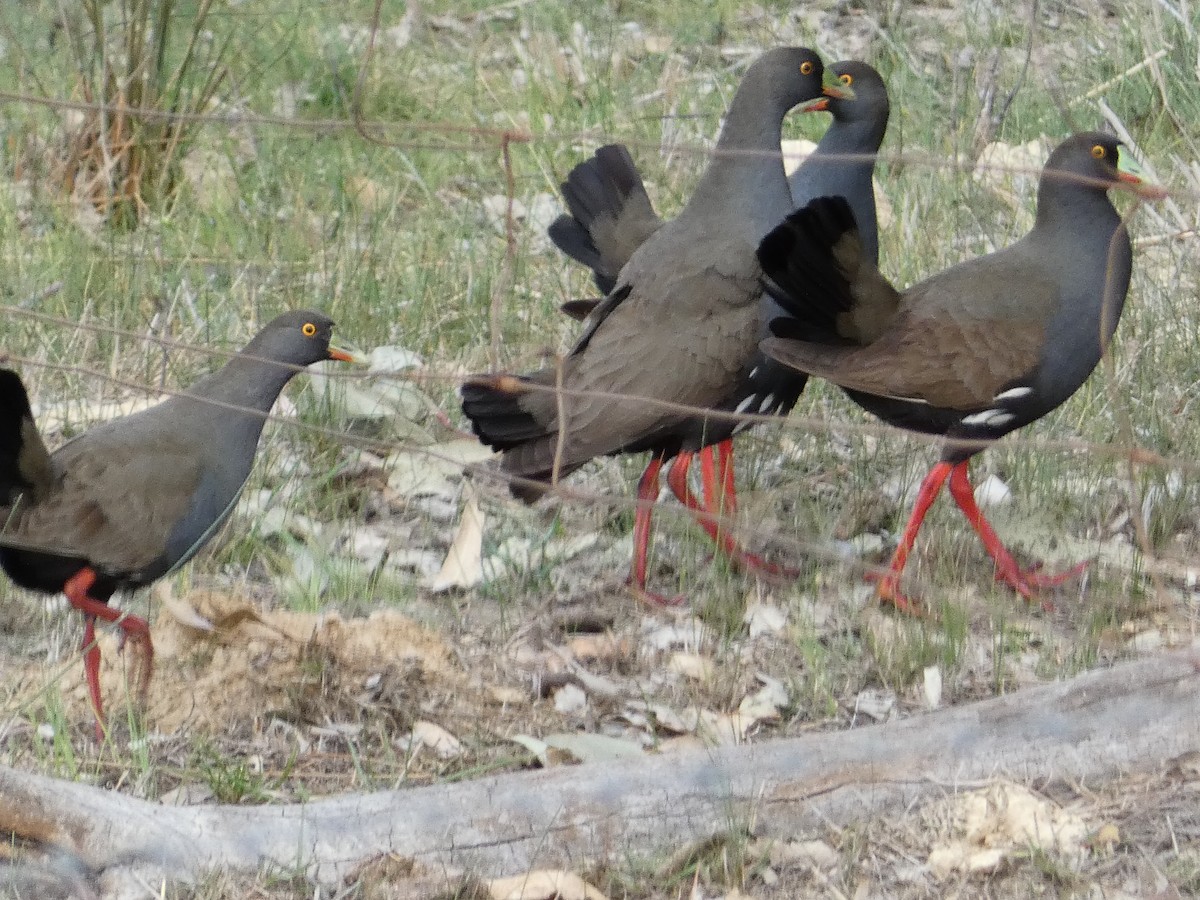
<point x="974" y="352"/>
<point x="680" y="325"/>
<point x="609" y="215"/>
<point x="129" y="501"/>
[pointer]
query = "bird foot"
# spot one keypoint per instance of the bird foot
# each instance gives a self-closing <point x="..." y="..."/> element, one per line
<point x="887" y="589"/>
<point x="654" y="600"/>
<point x="753" y="564"/>
<point x="1029" y="582"/>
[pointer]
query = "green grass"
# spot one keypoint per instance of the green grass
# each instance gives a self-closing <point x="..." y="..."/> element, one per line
<point x="391" y="239"/>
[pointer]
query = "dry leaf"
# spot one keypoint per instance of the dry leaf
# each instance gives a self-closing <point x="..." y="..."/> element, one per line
<point x="764" y="618"/>
<point x="765" y="703"/>
<point x="691" y="665"/>
<point x="588" y="747"/>
<point x="509" y="696"/>
<point x="183" y="612"/>
<point x="436" y="738"/>
<point x="804" y="853"/>
<point x="1002" y="819"/>
<point x="543" y="884"/>
<point x="463" y="566"/>
<point x="669" y="719"/>
<point x="436" y="470"/>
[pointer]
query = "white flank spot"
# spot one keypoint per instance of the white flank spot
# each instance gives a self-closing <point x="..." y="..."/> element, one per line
<point x="745" y="404"/>
<point x="754" y="373"/>
<point x="989" y="417"/>
<point x="766" y="403"/>
<point x="1014" y="393"/>
<point x="906" y="399"/>
<point x="979" y="418"/>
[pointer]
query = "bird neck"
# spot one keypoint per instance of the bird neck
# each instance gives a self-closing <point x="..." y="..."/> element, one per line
<point x="745" y="180"/>
<point x="1079" y="228"/>
<point x="1067" y="207"/>
<point x="244" y="386"/>
<point x="843" y="165"/>
<point x="854" y="139"/>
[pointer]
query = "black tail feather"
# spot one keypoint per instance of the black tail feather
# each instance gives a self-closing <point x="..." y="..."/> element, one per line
<point x="580" y="309"/>
<point x="24" y="462"/>
<point x="804" y="268"/>
<point x="504" y="412"/>
<point x="510" y="418"/>
<point x="598" y="192"/>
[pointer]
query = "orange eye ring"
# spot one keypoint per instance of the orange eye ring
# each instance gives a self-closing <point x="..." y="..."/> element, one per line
<point x="1099" y="152"/>
<point x="846" y="79"/>
<point x="308" y="329"/>
<point x="806" y="67"/>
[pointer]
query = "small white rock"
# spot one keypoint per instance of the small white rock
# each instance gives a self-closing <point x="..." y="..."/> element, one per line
<point x="933" y="686"/>
<point x="570" y="699"/>
<point x="992" y="492"/>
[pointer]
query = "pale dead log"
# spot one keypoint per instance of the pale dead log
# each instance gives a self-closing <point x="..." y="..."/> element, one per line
<point x="1130" y="717"/>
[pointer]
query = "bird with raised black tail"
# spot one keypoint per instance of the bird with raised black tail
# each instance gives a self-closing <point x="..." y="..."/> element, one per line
<point x="609" y="215"/>
<point x="129" y="501"/>
<point x="973" y="352"/>
<point x="680" y="326"/>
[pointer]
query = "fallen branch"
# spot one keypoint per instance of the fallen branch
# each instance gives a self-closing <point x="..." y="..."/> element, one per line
<point x="1132" y="716"/>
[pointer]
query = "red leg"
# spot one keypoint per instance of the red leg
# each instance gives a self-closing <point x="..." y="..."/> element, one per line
<point x="91" y="672"/>
<point x="132" y="627"/>
<point x="725" y="472"/>
<point x="709" y="520"/>
<point x="716" y="467"/>
<point x="1027" y="582"/>
<point x="647" y="496"/>
<point x="888" y="587"/>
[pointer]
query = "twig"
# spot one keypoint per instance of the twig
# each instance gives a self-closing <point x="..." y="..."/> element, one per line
<point x="45" y="293"/>
<point x="1117" y="79"/>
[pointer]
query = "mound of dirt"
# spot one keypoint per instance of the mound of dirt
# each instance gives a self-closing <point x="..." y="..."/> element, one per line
<point x="220" y="663"/>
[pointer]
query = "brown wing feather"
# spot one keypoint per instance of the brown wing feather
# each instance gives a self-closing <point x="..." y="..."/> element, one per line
<point x="956" y="340"/>
<point x="116" y="501"/>
<point x="962" y="367"/>
<point x="631" y="356"/>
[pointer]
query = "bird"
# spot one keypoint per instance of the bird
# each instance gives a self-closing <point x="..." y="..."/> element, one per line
<point x="609" y="215"/>
<point x="971" y="353"/>
<point x="680" y="325"/>
<point x="131" y="500"/>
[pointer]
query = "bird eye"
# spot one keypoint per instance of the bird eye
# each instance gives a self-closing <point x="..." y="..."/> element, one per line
<point x="1099" y="152"/>
<point x="847" y="80"/>
<point x="806" y="68"/>
<point x="308" y="329"/>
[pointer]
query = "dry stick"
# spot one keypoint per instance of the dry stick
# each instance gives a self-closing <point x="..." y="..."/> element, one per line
<point x="560" y="440"/>
<point x="1132" y="717"/>
<point x="1114" y="120"/>
<point x="508" y="266"/>
<point x="38" y="296"/>
<point x="998" y="118"/>
<point x="573" y="495"/>
<point x="1125" y="427"/>
<point x="1117" y="79"/>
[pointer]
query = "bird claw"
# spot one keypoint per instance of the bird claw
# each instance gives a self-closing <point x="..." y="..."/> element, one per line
<point x="753" y="564"/>
<point x="1029" y="582"/>
<point x="652" y="599"/>
<point x="887" y="589"/>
